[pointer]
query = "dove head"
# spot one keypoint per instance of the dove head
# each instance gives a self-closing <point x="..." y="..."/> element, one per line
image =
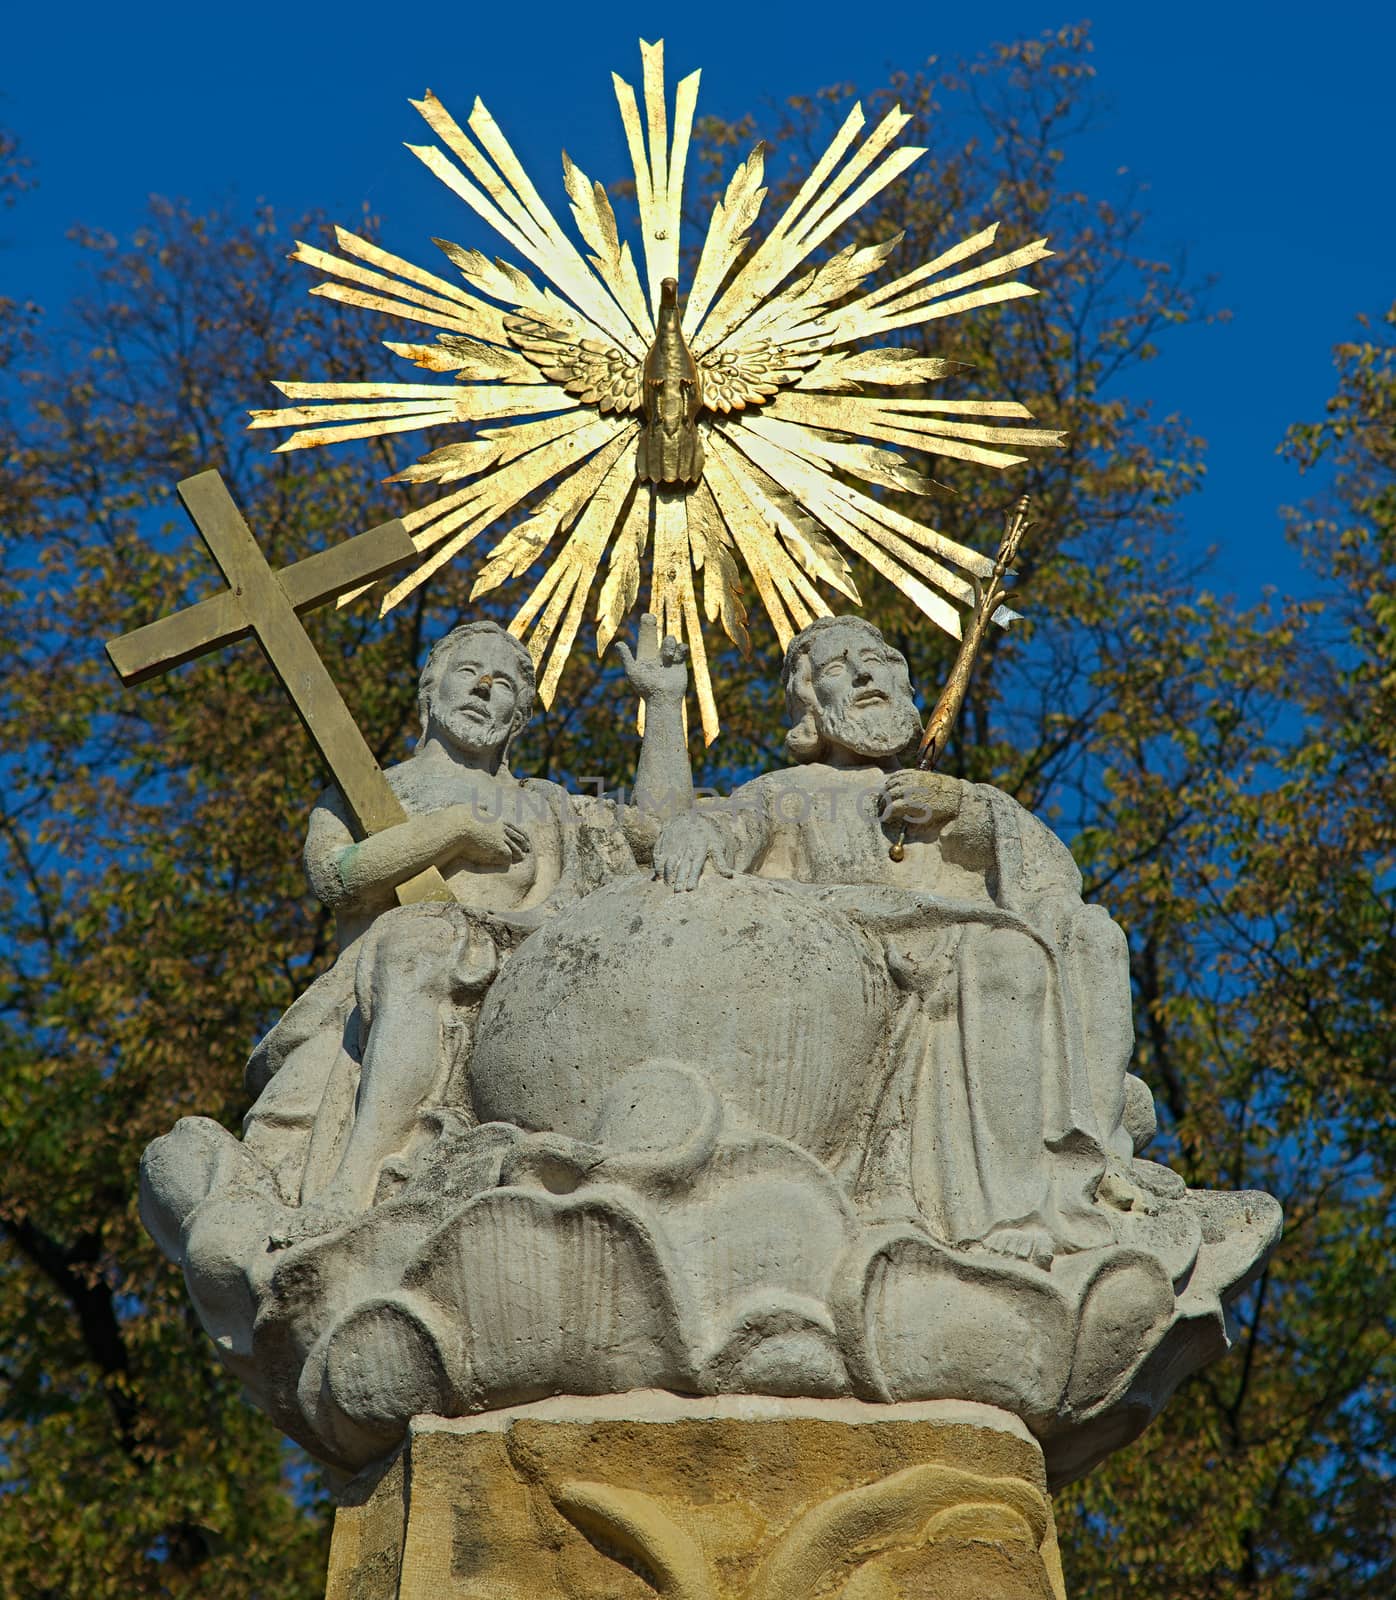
<point x="669" y="292"/>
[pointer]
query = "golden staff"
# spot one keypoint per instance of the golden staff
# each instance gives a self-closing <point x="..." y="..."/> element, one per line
<point x="987" y="598"/>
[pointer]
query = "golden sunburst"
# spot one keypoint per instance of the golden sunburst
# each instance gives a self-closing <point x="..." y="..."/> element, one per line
<point x="716" y="433"/>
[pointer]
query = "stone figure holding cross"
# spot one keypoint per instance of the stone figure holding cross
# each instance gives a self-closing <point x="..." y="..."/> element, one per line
<point x="512" y="853"/>
<point x="433" y="868"/>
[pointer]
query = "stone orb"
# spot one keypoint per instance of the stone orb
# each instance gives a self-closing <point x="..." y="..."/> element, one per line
<point x="780" y="1004"/>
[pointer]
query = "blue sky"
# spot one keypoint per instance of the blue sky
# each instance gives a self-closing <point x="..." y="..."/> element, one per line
<point x="1264" y="135"/>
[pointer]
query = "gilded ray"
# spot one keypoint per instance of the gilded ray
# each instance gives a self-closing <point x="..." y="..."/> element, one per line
<point x="469" y="359"/>
<point x="710" y="544"/>
<point x="659" y="167"/>
<point x="952" y="257"/>
<point x="727" y="235"/>
<point x="622" y="586"/>
<point x="545" y="366"/>
<point x="507" y="488"/>
<point x="509" y="203"/>
<point x="503" y="282"/>
<point x="792" y="240"/>
<point x="567" y="583"/>
<point x="473" y="403"/>
<point x="421" y="516"/>
<point x="499" y="493"/>
<point x="846" y="371"/>
<point x="790" y="600"/>
<point x="882" y="467"/>
<point x="493" y="445"/>
<point x="881" y="418"/>
<point x="814" y="222"/>
<point x="997" y="268"/>
<point x="362" y="391"/>
<point x="397" y="266"/>
<point x="835" y="152"/>
<point x="389" y="306"/>
<point x="671" y="564"/>
<point x="797" y="313"/>
<point x="851" y="322"/>
<point x="596" y="222"/>
<point x="801" y="535"/>
<point x="936" y="437"/>
<point x="520" y="547"/>
<point x="452" y="307"/>
<point x="560" y="261"/>
<point x="312" y="438"/>
<point x="895" y="558"/>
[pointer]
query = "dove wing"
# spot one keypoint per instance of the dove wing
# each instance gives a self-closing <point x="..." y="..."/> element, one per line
<point x="594" y="371"/>
<point x="740" y="374"/>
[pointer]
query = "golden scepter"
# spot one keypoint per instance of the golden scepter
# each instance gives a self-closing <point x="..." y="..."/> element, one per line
<point x="987" y="598"/>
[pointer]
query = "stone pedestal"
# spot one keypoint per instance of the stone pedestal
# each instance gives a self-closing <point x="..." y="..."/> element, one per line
<point x="646" y="1493"/>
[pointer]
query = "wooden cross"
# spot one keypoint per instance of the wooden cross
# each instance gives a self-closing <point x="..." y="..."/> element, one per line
<point x="268" y="605"/>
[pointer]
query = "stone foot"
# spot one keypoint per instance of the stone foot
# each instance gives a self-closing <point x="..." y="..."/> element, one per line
<point x="1021" y="1244"/>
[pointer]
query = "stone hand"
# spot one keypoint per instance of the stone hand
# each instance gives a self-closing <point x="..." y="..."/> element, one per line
<point x="489" y="841"/>
<point x="685" y="846"/>
<point x="919" y="799"/>
<point x="517" y="841"/>
<point x="656" y="671"/>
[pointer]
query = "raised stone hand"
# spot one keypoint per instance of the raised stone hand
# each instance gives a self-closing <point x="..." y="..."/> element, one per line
<point x="656" y="671"/>
<point x="919" y="799"/>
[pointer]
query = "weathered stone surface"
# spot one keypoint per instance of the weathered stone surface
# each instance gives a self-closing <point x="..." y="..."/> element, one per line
<point x="704" y="1500"/>
<point x="638" y="975"/>
<point x="735" y="1105"/>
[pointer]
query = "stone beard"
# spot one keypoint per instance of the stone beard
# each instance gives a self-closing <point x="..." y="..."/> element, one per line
<point x="872" y="727"/>
<point x="733" y="1106"/>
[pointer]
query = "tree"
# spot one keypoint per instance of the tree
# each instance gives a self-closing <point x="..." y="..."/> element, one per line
<point x="1213" y="771"/>
<point x="1268" y="989"/>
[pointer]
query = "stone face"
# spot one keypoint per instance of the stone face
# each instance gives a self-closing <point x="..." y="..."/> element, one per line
<point x="704" y="1500"/>
<point x="769" y="1114"/>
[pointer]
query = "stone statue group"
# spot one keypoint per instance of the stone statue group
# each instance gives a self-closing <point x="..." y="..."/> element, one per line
<point x="707" y="1095"/>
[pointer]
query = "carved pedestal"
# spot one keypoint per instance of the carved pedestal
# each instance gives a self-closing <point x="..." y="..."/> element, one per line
<point x="626" y="1497"/>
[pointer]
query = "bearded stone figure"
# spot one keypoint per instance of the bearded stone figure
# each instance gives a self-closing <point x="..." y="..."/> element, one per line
<point x="1007" y="1086"/>
<point x="713" y="1097"/>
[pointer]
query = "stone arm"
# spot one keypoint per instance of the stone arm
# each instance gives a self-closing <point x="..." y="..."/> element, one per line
<point x="352" y="876"/>
<point x="967" y="836"/>
<point x="987" y="835"/>
<point x="663" y="775"/>
<point x="1029" y="865"/>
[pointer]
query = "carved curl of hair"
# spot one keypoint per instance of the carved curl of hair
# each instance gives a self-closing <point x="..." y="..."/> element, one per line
<point x="804" y="742"/>
<point x="439" y="658"/>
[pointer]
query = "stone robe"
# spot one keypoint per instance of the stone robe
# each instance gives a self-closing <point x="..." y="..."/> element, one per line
<point x="305" y="1071"/>
<point x="1006" y="1093"/>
